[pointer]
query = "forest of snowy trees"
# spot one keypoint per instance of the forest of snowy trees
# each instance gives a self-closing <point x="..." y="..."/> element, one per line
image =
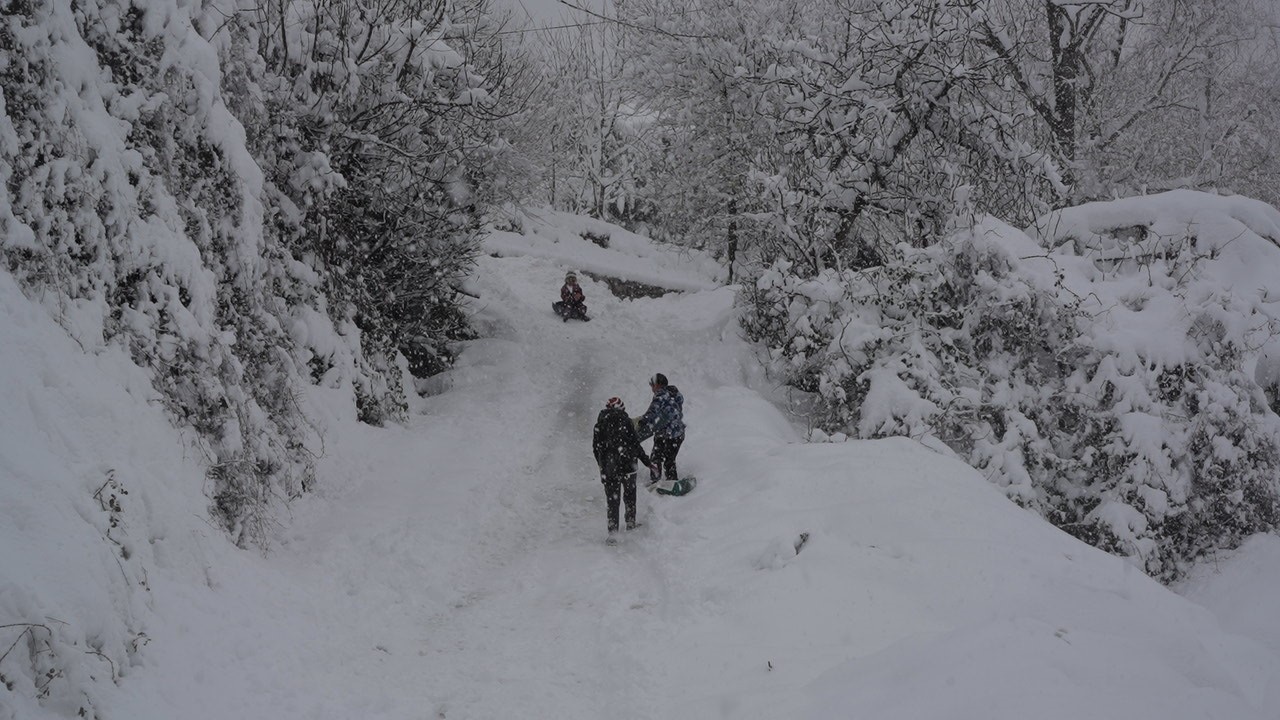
<point x="253" y="197"/>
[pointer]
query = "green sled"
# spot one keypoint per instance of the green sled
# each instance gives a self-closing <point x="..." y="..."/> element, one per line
<point x="683" y="486"/>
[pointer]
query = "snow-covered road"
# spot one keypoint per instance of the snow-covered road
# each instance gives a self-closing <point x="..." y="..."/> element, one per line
<point x="468" y="551"/>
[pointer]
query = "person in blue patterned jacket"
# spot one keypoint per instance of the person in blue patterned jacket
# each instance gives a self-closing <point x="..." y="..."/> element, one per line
<point x="664" y="421"/>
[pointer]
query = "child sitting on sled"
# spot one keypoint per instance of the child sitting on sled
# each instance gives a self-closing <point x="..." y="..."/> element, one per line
<point x="573" y="303"/>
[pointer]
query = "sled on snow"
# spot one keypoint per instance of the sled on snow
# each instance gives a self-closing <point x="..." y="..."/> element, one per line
<point x="683" y="486"/>
<point x="567" y="313"/>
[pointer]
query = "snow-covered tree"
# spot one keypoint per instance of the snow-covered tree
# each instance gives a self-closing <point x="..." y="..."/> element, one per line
<point x="588" y="124"/>
<point x="890" y="125"/>
<point x="695" y="64"/>
<point x="836" y="135"/>
<point x="378" y="135"/>
<point x="1212" y="129"/>
<point x="1129" y="95"/>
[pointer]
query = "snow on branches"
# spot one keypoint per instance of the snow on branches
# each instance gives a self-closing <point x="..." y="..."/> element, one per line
<point x="250" y="200"/>
<point x="1103" y="374"/>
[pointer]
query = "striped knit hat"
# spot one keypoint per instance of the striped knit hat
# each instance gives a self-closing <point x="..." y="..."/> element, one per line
<point x="615" y="402"/>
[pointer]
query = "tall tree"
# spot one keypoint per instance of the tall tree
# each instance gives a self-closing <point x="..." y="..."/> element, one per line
<point x="1103" y="76"/>
<point x="590" y="123"/>
<point x="889" y="125"/>
<point x="696" y="63"/>
<point x="1213" y="130"/>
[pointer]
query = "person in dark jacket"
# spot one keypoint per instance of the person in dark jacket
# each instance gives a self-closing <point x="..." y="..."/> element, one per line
<point x="573" y="302"/>
<point x="617" y="447"/>
<point x="664" y="420"/>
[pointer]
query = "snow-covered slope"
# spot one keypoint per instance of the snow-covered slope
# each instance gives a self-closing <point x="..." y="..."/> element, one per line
<point x="101" y="514"/>
<point x="455" y="568"/>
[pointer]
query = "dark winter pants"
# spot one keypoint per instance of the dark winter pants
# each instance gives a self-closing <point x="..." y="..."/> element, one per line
<point x="664" y="458"/>
<point x="570" y="312"/>
<point x="623" y="488"/>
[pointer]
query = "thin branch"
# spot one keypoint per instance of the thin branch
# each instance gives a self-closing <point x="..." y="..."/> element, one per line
<point x="633" y="26"/>
<point x="26" y="629"/>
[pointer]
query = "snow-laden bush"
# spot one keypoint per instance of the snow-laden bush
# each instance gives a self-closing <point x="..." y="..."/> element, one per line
<point x="249" y="201"/>
<point x="133" y="205"/>
<point x="130" y="207"/>
<point x="377" y="140"/>
<point x="244" y="211"/>
<point x="1106" y="383"/>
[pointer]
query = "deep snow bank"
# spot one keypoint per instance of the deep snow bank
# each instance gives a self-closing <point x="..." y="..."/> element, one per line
<point x="99" y="495"/>
<point x="880" y="579"/>
<point x="594" y="246"/>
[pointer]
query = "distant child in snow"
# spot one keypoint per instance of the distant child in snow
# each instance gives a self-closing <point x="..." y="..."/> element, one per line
<point x="664" y="420"/>
<point x="617" y="447"/>
<point x="573" y="303"/>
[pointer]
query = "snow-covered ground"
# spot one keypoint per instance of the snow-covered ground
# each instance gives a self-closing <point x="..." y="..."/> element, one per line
<point x="455" y="568"/>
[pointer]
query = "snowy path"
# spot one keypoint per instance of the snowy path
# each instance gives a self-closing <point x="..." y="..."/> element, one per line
<point x="536" y="612"/>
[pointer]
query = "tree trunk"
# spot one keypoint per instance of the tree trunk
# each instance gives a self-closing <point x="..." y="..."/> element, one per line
<point x="1066" y="63"/>
<point x="731" y="242"/>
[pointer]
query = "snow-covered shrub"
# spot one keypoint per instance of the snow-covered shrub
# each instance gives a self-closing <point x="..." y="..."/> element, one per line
<point x="132" y="194"/>
<point x="216" y="249"/>
<point x="1180" y="292"/>
<point x="244" y="212"/>
<point x="1114" y="397"/>
<point x="376" y="138"/>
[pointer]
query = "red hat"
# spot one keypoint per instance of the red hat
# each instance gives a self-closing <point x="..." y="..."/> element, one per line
<point x="615" y="402"/>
